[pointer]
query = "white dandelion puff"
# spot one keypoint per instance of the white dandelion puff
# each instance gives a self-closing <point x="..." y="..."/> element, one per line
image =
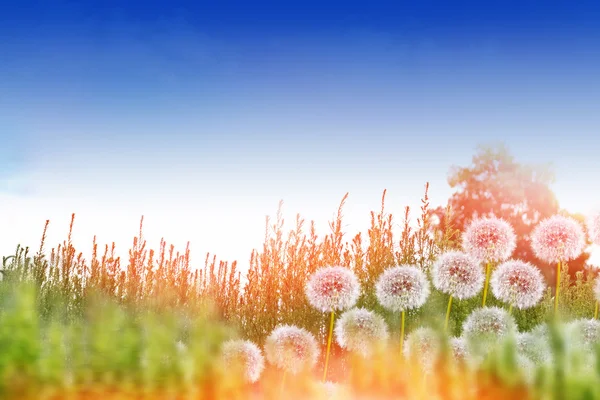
<point x="534" y="347"/>
<point x="423" y="345"/>
<point x="457" y="274"/>
<point x="485" y="327"/>
<point x="402" y="288"/>
<point x="542" y="331"/>
<point x="458" y="347"/>
<point x="527" y="368"/>
<point x="584" y="332"/>
<point x="593" y="226"/>
<point x="332" y="288"/>
<point x="489" y="239"/>
<point x="291" y="348"/>
<point x="518" y="283"/>
<point x="244" y="354"/>
<point x="558" y="239"/>
<point x="361" y="331"/>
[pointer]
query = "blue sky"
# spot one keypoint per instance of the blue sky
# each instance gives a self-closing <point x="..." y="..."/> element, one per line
<point x="201" y="116"/>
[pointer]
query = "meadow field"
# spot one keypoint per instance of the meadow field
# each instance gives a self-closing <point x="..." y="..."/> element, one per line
<point x="316" y="316"/>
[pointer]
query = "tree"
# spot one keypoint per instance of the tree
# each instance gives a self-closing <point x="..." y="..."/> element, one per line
<point x="496" y="184"/>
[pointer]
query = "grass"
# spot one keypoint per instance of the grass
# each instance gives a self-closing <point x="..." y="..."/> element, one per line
<point x="151" y="326"/>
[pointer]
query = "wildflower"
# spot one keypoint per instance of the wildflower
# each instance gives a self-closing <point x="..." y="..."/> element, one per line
<point x="291" y="348"/>
<point x="558" y="239"/>
<point x="535" y="347"/>
<point x="593" y="226"/>
<point x="457" y="274"/>
<point x="485" y="327"/>
<point x="423" y="345"/>
<point x="361" y="331"/>
<point x="458" y="346"/>
<point x="244" y="354"/>
<point x="489" y="239"/>
<point x="332" y="288"/>
<point x="527" y="368"/>
<point x="584" y="332"/>
<point x="402" y="288"/>
<point x="518" y="283"/>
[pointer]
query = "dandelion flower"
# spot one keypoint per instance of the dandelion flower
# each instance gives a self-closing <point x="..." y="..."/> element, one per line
<point x="518" y="283"/>
<point x="593" y="226"/>
<point x="489" y="239"/>
<point x="423" y="345"/>
<point x="534" y="347"/>
<point x="458" y="347"/>
<point x="558" y="239"/>
<point x="542" y="331"/>
<point x="361" y="331"/>
<point x="555" y="240"/>
<point x="332" y="288"/>
<point x="291" y="348"/>
<point x="402" y="288"/>
<point x="584" y="331"/>
<point x="485" y="327"/>
<point x="244" y="354"/>
<point x="527" y="368"/>
<point x="457" y="274"/>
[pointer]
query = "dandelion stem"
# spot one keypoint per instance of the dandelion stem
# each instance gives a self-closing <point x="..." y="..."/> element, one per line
<point x="448" y="313"/>
<point x="558" y="266"/>
<point x="328" y="345"/>
<point x="283" y="382"/>
<point x="402" y="330"/>
<point x="596" y="312"/>
<point x="510" y="309"/>
<point x="488" y="267"/>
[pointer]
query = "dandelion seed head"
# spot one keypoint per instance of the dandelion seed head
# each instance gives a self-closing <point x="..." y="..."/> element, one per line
<point x="291" y="348"/>
<point x="457" y="274"/>
<point x="535" y="348"/>
<point x="541" y="331"/>
<point x="361" y="331"/>
<point x="518" y="283"/>
<point x="402" y="288"/>
<point x="485" y="327"/>
<point x="423" y="345"/>
<point x="593" y="226"/>
<point x="332" y="288"/>
<point x="585" y="332"/>
<point x="527" y="368"/>
<point x="458" y="346"/>
<point x="244" y="354"/>
<point x="558" y="238"/>
<point x="489" y="239"/>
